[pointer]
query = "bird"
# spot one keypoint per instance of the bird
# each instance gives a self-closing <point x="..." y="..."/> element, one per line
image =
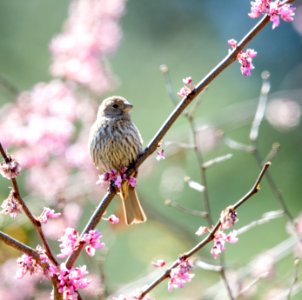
<point x="115" y="143"/>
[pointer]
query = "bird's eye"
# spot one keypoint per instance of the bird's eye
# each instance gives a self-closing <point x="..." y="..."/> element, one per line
<point x="115" y="106"/>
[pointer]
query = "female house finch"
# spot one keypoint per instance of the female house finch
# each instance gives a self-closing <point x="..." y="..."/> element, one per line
<point x="115" y="143"/>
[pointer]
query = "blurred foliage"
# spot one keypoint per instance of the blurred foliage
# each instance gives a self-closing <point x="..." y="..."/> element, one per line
<point x="191" y="38"/>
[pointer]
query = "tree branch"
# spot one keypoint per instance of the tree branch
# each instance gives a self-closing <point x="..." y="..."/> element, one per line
<point x="153" y="144"/>
<point x="209" y="238"/>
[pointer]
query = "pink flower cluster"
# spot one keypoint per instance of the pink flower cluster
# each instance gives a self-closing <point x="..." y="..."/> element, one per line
<point x="91" y="33"/>
<point x="244" y="58"/>
<point x="71" y="240"/>
<point x="116" y="177"/>
<point x="187" y="88"/>
<point x="10" y="169"/>
<point x="220" y="239"/>
<point x="274" y="9"/>
<point x="92" y="239"/>
<point x="70" y="280"/>
<point x="180" y="275"/>
<point x="11" y="206"/>
<point x="27" y="264"/>
<point x="41" y="127"/>
<point x="48" y="214"/>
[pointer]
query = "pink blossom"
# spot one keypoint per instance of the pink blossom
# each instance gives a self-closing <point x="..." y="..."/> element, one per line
<point x="187" y="80"/>
<point x="10" y="169"/>
<point x="69" y="242"/>
<point x="90" y="34"/>
<point x="183" y="92"/>
<point x="47" y="214"/>
<point x="160" y="154"/>
<point x="274" y="9"/>
<point x="159" y="263"/>
<point x="201" y="230"/>
<point x="228" y="217"/>
<point x="244" y="58"/>
<point x="232" y="43"/>
<point x="27" y="264"/>
<point x="11" y="206"/>
<point x="180" y="275"/>
<point x="70" y="280"/>
<point x="220" y="239"/>
<point x="92" y="238"/>
<point x="113" y="219"/>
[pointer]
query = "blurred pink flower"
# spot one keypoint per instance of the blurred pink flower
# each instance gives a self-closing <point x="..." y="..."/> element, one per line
<point x="160" y="154"/>
<point x="160" y="263"/>
<point x="283" y="114"/>
<point x="10" y="169"/>
<point x="201" y="230"/>
<point x="112" y="219"/>
<point x="69" y="242"/>
<point x="11" y="206"/>
<point x="90" y="34"/>
<point x="10" y="289"/>
<point x="228" y="217"/>
<point x="27" y="264"/>
<point x="220" y="239"/>
<point x="180" y="275"/>
<point x="47" y="214"/>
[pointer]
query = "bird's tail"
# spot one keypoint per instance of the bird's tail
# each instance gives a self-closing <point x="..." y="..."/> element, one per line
<point x="133" y="211"/>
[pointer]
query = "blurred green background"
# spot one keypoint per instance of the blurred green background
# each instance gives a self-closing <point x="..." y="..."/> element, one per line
<point x="190" y="37"/>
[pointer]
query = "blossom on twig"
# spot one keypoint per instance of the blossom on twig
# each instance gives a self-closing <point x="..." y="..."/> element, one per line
<point x="228" y="217"/>
<point x="92" y="239"/>
<point x="10" y="169"/>
<point x="11" y="206"/>
<point x="187" y="88"/>
<point x="47" y="214"/>
<point x="116" y="177"/>
<point x="274" y="9"/>
<point x="220" y="238"/>
<point x="244" y="58"/>
<point x="70" y="280"/>
<point x="180" y="275"/>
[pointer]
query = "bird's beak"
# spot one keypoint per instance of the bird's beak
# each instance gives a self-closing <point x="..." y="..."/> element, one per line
<point x="127" y="106"/>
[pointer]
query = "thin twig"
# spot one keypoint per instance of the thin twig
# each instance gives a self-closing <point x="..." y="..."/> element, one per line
<point x="10" y="241"/>
<point x="206" y="240"/>
<point x="36" y="223"/>
<point x="254" y="133"/>
<point x="192" y="212"/>
<point x="295" y="280"/>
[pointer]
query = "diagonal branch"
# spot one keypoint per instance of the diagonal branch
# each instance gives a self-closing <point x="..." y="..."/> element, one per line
<point x="255" y="188"/>
<point x="31" y="217"/>
<point x="153" y="144"/>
